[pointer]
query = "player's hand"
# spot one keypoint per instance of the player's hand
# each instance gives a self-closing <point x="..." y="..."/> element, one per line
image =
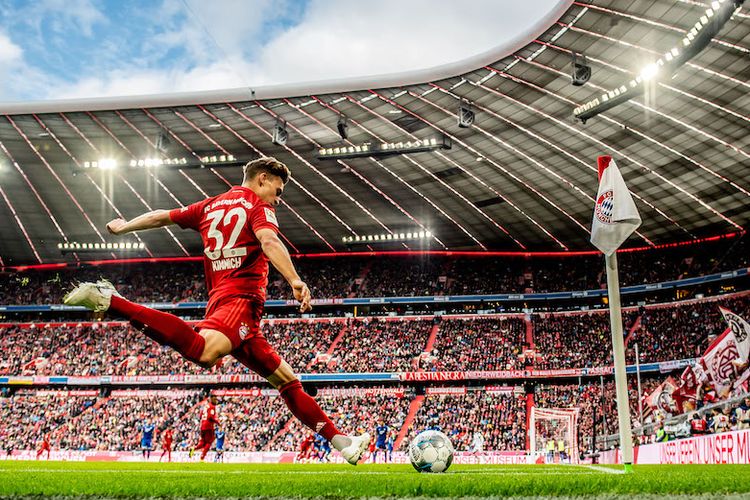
<point x="115" y="226"/>
<point x="302" y="295"/>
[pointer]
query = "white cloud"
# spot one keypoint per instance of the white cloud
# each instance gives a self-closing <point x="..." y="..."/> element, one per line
<point x="221" y="28"/>
<point x="222" y="74"/>
<point x="65" y="15"/>
<point x="334" y="39"/>
<point x="10" y="53"/>
<point x="343" y="38"/>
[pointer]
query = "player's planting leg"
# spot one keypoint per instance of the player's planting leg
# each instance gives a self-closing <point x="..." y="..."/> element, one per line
<point x="166" y="329"/>
<point x="307" y="410"/>
<point x="257" y="354"/>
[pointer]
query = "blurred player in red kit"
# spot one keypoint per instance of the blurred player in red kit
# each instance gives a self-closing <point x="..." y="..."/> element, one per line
<point x="306" y="449"/>
<point x="44" y="446"/>
<point x="208" y="426"/>
<point x="239" y="231"/>
<point x="166" y="444"/>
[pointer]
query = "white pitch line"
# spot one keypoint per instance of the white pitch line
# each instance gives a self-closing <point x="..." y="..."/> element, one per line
<point x="603" y="469"/>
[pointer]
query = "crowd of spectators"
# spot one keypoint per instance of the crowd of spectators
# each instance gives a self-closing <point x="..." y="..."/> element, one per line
<point x="115" y="349"/>
<point x="263" y="423"/>
<point x="394" y="276"/>
<point x="499" y="417"/>
<point x="662" y="333"/>
<point x="115" y="423"/>
<point x="678" y="332"/>
<point x="573" y="340"/>
<point x="382" y="345"/>
<point x="28" y="418"/>
<point x="483" y="343"/>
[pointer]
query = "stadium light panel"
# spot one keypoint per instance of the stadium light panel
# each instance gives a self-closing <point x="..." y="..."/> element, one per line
<point x="213" y="160"/>
<point x="87" y="247"/>
<point x="384" y="148"/>
<point x="695" y="40"/>
<point x="372" y="238"/>
<point x="649" y="72"/>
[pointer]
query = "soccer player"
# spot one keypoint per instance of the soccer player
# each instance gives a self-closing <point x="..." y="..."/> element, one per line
<point x="477" y="443"/>
<point x="220" y="435"/>
<point x="147" y="439"/>
<point x="389" y="448"/>
<point x="239" y="231"/>
<point x="381" y="434"/>
<point x="44" y="446"/>
<point x="208" y="424"/>
<point x="166" y="444"/>
<point x="306" y="449"/>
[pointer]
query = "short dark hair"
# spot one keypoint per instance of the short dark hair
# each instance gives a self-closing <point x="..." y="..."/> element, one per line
<point x="269" y="165"/>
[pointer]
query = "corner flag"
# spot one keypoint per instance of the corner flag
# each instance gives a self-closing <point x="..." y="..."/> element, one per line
<point x="615" y="214"/>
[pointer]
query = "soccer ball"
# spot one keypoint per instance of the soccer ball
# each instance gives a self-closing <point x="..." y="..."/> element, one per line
<point x="431" y="451"/>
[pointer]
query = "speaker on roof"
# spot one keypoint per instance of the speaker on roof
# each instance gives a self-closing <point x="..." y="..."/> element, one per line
<point x="465" y="115"/>
<point x="280" y="134"/>
<point x="342" y="127"/>
<point x="581" y="71"/>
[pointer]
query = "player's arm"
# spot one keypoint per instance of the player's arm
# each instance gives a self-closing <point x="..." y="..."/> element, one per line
<point x="149" y="220"/>
<point x="279" y="257"/>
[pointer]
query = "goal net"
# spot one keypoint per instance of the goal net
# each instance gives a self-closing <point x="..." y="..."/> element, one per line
<point x="550" y="426"/>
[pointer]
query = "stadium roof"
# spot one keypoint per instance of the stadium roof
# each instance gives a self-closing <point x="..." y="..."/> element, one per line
<point x="522" y="177"/>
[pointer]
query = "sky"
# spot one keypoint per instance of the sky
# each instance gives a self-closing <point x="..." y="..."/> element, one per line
<point x="61" y="49"/>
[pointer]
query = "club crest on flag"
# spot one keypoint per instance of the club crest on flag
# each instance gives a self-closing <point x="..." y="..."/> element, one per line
<point x="604" y="206"/>
<point x="615" y="214"/>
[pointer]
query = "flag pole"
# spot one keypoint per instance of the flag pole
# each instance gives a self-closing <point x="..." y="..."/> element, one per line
<point x="638" y="373"/>
<point x="618" y="344"/>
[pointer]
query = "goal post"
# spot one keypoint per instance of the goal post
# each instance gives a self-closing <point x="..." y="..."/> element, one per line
<point x="554" y="424"/>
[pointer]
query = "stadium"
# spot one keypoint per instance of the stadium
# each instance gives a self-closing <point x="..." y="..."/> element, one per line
<point x="538" y="254"/>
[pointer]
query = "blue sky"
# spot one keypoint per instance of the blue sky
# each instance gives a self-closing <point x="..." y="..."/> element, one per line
<point x="53" y="49"/>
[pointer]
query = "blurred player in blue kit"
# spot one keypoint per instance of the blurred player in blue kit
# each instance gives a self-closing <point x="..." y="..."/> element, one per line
<point x="220" y="435"/>
<point x="147" y="439"/>
<point x="381" y="436"/>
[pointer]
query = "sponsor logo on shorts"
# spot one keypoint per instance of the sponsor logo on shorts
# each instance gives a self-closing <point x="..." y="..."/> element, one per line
<point x="244" y="330"/>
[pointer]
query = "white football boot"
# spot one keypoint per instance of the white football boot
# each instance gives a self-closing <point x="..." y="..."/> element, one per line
<point x="354" y="451"/>
<point x="94" y="296"/>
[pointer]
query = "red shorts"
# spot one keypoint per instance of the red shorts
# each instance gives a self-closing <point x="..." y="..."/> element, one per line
<point x="239" y="319"/>
<point x="236" y="317"/>
<point x="258" y="355"/>
<point x="207" y="437"/>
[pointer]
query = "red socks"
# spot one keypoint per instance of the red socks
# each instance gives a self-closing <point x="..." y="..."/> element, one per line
<point x="164" y="328"/>
<point x="307" y="410"/>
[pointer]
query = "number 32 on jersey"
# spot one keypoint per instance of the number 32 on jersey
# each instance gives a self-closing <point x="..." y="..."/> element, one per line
<point x="224" y="222"/>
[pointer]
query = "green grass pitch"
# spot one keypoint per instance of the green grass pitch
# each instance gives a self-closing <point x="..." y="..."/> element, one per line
<point x="97" y="480"/>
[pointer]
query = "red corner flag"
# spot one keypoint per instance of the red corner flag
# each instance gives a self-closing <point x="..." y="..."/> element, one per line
<point x="615" y="214"/>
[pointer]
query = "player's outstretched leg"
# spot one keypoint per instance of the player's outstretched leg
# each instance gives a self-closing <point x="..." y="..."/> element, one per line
<point x="164" y="328"/>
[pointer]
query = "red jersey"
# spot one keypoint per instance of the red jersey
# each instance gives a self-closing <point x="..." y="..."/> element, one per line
<point x="167" y="438"/>
<point x="306" y="443"/>
<point x="699" y="426"/>
<point x="208" y="417"/>
<point x="233" y="260"/>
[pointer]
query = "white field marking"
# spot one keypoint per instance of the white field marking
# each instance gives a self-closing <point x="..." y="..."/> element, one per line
<point x="603" y="469"/>
<point x="256" y="472"/>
